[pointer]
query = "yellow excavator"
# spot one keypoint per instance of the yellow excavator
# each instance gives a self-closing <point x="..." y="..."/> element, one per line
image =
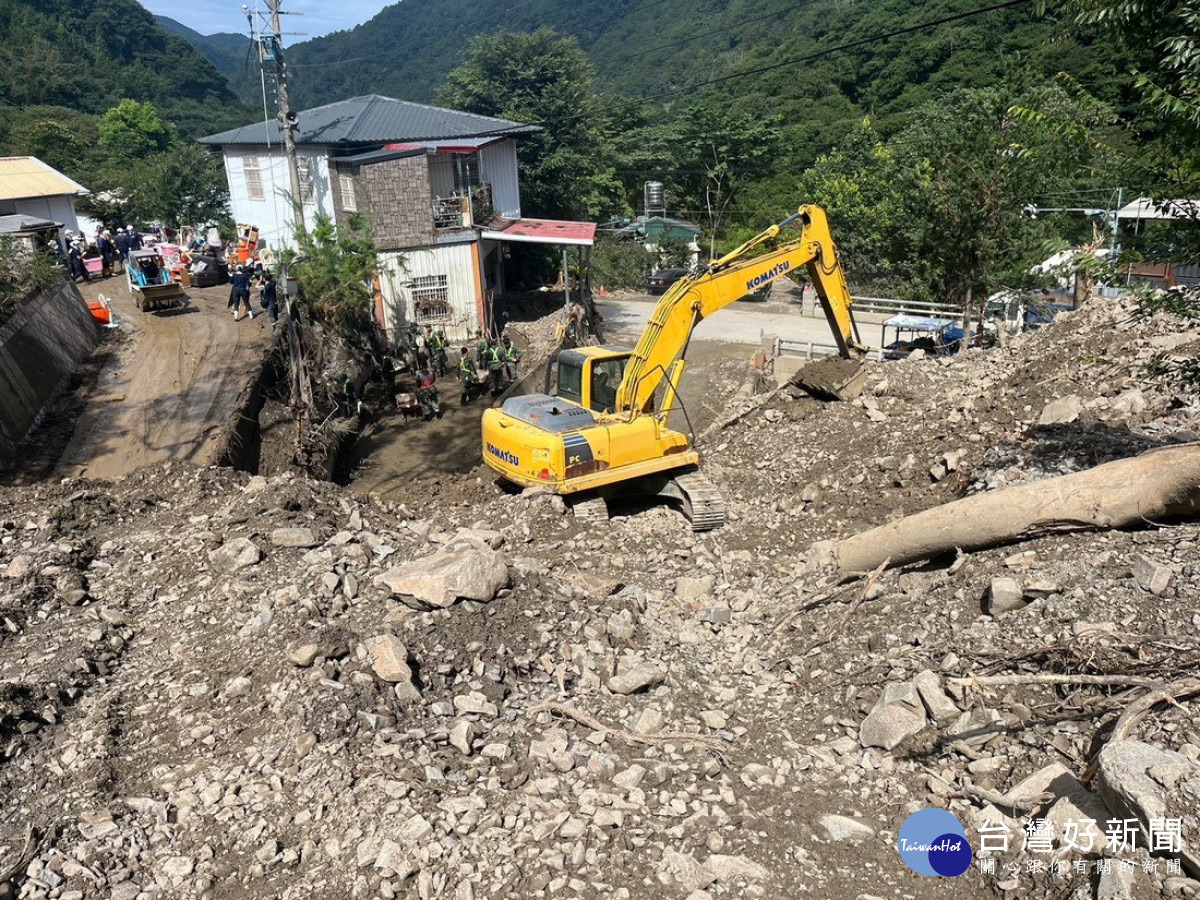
<point x="607" y="432"/>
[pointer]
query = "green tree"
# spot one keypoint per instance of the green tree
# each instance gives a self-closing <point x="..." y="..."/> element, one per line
<point x="876" y="209"/>
<point x="985" y="164"/>
<point x="132" y="130"/>
<point x="543" y="78"/>
<point x="185" y="185"/>
<point x="54" y="144"/>
<point x="335" y="267"/>
<point x="719" y="152"/>
<point x="1164" y="37"/>
<point x="1158" y="152"/>
<point x="618" y="263"/>
<point x="708" y="157"/>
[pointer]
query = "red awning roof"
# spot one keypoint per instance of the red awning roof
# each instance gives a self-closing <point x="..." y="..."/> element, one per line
<point x="545" y="231"/>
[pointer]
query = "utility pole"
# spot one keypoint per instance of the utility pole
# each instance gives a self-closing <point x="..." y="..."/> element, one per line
<point x="1116" y="222"/>
<point x="287" y="118"/>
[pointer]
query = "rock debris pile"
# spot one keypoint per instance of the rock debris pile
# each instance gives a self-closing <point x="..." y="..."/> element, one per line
<point x="216" y="685"/>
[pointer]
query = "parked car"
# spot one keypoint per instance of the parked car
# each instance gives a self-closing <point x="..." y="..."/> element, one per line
<point x="1038" y="314"/>
<point x="658" y="282"/>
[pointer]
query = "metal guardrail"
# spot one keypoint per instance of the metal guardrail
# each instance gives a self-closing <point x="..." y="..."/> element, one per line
<point x="811" y="349"/>
<point x="889" y="306"/>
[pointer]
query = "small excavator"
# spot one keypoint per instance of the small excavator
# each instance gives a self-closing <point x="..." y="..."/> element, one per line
<point x="607" y="432"/>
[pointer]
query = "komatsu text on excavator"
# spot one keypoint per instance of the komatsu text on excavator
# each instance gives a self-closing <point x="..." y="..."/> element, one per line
<point x="607" y="432"/>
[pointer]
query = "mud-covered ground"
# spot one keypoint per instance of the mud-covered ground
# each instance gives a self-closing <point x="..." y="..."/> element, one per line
<point x="206" y="692"/>
<point x="162" y="385"/>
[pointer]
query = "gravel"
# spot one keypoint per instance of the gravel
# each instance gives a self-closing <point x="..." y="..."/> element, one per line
<point x="208" y="688"/>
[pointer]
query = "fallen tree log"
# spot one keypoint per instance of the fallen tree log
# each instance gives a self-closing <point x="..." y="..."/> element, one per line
<point x="1161" y="484"/>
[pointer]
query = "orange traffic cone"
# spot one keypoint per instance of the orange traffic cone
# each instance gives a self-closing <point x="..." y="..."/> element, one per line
<point x="603" y="292"/>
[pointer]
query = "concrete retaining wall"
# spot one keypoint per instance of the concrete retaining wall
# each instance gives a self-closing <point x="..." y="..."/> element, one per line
<point x="40" y="345"/>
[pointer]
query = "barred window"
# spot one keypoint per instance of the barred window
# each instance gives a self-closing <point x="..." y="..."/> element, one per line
<point x="303" y="165"/>
<point x="253" y="175"/>
<point x="431" y="299"/>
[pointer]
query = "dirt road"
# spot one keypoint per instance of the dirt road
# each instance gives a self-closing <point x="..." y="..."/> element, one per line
<point x="169" y="387"/>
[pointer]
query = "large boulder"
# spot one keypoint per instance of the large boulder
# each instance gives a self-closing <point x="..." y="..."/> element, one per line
<point x="438" y="581"/>
<point x="898" y="714"/>
<point x="1137" y="780"/>
<point x="233" y="555"/>
<point x="1061" y="411"/>
<point x="643" y="676"/>
<point x="389" y="658"/>
<point x="888" y="726"/>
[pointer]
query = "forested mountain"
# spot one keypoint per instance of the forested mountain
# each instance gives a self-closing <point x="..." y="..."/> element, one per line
<point x="663" y="49"/>
<point x="227" y="52"/>
<point x="100" y="91"/>
<point x="87" y="57"/>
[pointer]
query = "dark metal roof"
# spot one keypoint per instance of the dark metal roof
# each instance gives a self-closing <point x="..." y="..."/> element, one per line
<point x="24" y="224"/>
<point x="389" y="151"/>
<point x="372" y="120"/>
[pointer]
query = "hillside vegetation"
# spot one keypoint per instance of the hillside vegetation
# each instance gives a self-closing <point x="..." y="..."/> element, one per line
<point x="228" y="52"/>
<point x="660" y="50"/>
<point x="87" y="57"/>
<point x="101" y="92"/>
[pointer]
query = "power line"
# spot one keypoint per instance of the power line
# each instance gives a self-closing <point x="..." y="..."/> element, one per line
<point x="696" y="37"/>
<point x="829" y="51"/>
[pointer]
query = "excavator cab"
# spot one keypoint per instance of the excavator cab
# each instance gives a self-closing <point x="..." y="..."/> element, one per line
<point x="589" y="376"/>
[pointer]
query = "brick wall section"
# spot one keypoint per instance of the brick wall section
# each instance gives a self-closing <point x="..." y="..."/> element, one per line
<point x="395" y="195"/>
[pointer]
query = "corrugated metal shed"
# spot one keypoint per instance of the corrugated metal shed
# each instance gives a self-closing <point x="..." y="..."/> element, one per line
<point x="499" y="169"/>
<point x="373" y="120"/>
<point x="453" y="265"/>
<point x="22" y="177"/>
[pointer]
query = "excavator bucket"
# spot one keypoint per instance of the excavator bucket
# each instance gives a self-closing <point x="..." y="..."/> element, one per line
<point x="157" y="296"/>
<point x="833" y="378"/>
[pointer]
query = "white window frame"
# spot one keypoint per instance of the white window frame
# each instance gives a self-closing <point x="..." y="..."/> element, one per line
<point x="304" y="168"/>
<point x="252" y="173"/>
<point x="346" y="185"/>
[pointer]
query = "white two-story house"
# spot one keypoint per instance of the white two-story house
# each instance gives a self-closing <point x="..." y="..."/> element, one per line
<point x="439" y="187"/>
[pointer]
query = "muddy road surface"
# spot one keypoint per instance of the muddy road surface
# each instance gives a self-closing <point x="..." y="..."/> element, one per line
<point x="169" y="383"/>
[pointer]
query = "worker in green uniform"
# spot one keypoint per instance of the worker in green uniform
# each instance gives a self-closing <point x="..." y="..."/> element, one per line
<point x="466" y="368"/>
<point x="437" y="346"/>
<point x="481" y="348"/>
<point x="512" y="356"/>
<point x="495" y="367"/>
<point x="411" y="336"/>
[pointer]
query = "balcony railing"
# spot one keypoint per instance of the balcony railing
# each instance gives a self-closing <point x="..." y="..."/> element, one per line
<point x="458" y="211"/>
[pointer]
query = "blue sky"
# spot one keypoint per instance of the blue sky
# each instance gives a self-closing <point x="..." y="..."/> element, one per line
<point x="313" y="17"/>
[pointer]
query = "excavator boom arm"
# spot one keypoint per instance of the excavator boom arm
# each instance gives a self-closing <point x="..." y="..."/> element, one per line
<point x="695" y="297"/>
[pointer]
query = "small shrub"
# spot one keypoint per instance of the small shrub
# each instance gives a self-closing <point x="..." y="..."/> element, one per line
<point x="23" y="271"/>
<point x="1180" y="373"/>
